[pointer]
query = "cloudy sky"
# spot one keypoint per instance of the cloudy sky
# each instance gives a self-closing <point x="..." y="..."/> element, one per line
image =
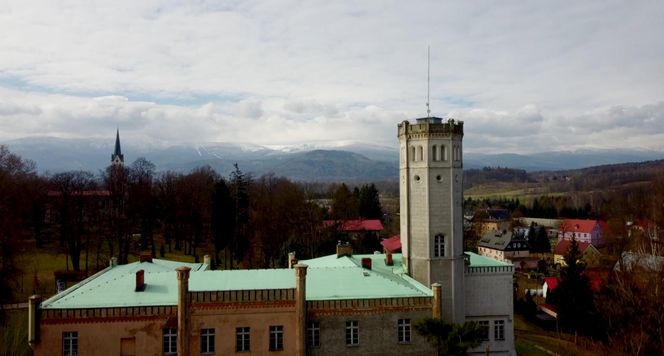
<point x="524" y="76"/>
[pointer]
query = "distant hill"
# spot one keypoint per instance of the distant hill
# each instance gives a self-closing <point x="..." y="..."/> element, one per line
<point x="349" y="162"/>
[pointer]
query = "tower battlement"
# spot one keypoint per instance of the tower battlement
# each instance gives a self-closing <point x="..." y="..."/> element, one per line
<point x="431" y="125"/>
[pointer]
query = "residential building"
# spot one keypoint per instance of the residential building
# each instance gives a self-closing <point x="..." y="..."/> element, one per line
<point x="590" y="255"/>
<point x="589" y="231"/>
<point x="505" y="246"/>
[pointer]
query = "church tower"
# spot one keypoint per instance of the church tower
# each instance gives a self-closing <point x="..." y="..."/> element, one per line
<point x="431" y="198"/>
<point x="117" y="158"/>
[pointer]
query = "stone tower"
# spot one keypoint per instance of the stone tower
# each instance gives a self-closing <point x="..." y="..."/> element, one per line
<point x="117" y="158"/>
<point x="431" y="197"/>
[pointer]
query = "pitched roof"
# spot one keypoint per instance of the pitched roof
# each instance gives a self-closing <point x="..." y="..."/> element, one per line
<point x="578" y="225"/>
<point x="499" y="240"/>
<point x="355" y="225"/>
<point x="563" y="246"/>
<point x="392" y="244"/>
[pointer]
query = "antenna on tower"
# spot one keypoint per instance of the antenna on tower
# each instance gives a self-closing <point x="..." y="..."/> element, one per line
<point x="428" y="80"/>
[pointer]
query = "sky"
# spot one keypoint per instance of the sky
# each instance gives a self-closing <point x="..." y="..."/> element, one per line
<point x="524" y="76"/>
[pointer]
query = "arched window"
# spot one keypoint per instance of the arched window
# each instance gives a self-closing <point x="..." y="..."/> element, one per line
<point x="412" y="153"/>
<point x="434" y="153"/>
<point x="443" y="153"/>
<point x="420" y="153"/>
<point x="439" y="245"/>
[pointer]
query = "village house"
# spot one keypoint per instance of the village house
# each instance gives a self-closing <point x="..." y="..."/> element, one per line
<point x="589" y="231"/>
<point x="590" y="255"/>
<point x="506" y="246"/>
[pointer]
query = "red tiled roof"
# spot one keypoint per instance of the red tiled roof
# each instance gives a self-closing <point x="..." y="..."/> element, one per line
<point x="578" y="225"/>
<point x="355" y="225"/>
<point x="563" y="246"/>
<point x="392" y="244"/>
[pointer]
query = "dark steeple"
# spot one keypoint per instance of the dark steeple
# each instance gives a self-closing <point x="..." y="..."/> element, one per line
<point x="117" y="158"/>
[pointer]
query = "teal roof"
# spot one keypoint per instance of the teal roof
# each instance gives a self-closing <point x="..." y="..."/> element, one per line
<point x="114" y="287"/>
<point x="484" y="261"/>
<point x="331" y="278"/>
<point x="244" y="279"/>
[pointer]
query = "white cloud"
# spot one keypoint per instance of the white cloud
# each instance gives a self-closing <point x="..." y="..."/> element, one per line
<point x="524" y="76"/>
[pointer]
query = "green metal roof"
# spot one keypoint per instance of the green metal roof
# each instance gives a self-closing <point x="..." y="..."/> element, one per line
<point x="244" y="279"/>
<point x="332" y="278"/>
<point x="114" y="287"/>
<point x="483" y="261"/>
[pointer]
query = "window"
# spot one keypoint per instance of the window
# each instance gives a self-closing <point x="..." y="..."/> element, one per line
<point x="484" y="325"/>
<point x="207" y="341"/>
<point x="170" y="341"/>
<point x="313" y="334"/>
<point x="434" y="153"/>
<point x="439" y="246"/>
<point x="70" y="343"/>
<point x="499" y="329"/>
<point x="242" y="341"/>
<point x="420" y="153"/>
<point x="412" y="153"/>
<point x="276" y="337"/>
<point x="403" y="331"/>
<point x="443" y="153"/>
<point x="352" y="333"/>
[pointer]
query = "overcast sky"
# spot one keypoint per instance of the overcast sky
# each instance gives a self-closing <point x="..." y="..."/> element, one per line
<point x="525" y="76"/>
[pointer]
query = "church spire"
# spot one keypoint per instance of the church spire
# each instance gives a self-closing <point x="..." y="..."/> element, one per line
<point x="117" y="158"/>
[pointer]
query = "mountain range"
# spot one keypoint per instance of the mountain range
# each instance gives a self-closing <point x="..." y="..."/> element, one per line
<point x="350" y="162"/>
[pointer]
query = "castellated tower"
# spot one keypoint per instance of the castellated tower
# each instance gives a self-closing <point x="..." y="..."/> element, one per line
<point x="431" y="197"/>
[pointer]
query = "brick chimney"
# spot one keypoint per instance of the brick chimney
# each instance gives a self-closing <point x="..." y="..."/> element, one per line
<point x="366" y="263"/>
<point x="145" y="257"/>
<point x="437" y="306"/>
<point x="207" y="260"/>
<point x="344" y="249"/>
<point x="140" y="281"/>
<point x="388" y="259"/>
<point x="33" y="320"/>
<point x="113" y="262"/>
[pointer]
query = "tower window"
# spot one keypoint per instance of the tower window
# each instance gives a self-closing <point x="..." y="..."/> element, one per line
<point x="412" y="154"/>
<point x="439" y="246"/>
<point x="420" y="153"/>
<point x="434" y="153"/>
<point x="443" y="153"/>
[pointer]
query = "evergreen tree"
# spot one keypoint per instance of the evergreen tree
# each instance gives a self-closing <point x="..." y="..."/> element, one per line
<point x="448" y="338"/>
<point x="223" y="218"/>
<point x="573" y="296"/>
<point x="369" y="203"/>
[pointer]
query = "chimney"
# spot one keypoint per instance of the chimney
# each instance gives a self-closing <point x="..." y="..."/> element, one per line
<point x="207" y="260"/>
<point x="183" y="311"/>
<point x="113" y="262"/>
<point x="33" y="320"/>
<point x="292" y="260"/>
<point x="145" y="257"/>
<point x="140" y="281"/>
<point x="388" y="259"/>
<point x="436" y="307"/>
<point x="300" y="308"/>
<point x="366" y="263"/>
<point x="344" y="249"/>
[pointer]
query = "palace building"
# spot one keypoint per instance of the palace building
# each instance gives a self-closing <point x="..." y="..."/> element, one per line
<point x="337" y="304"/>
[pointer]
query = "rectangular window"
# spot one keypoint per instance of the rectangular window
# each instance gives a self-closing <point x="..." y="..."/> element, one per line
<point x="484" y="324"/>
<point x="313" y="334"/>
<point x="352" y="333"/>
<point x="439" y="246"/>
<point x="276" y="337"/>
<point x="499" y="329"/>
<point x="70" y="343"/>
<point x="170" y="341"/>
<point x="207" y="341"/>
<point x="242" y="339"/>
<point x="403" y="331"/>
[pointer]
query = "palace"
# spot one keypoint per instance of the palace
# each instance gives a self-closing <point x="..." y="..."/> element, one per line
<point x="337" y="304"/>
